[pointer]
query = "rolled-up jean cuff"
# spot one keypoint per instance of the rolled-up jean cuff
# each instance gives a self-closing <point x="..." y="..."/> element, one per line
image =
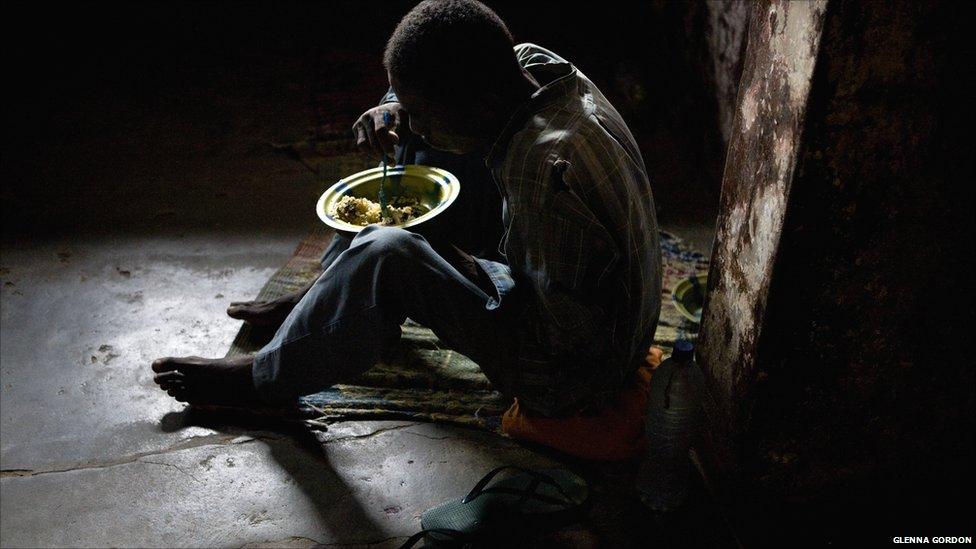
<point x="263" y="376"/>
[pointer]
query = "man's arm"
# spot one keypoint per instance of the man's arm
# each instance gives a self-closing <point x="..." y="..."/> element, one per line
<point x="572" y="252"/>
<point x="377" y="130"/>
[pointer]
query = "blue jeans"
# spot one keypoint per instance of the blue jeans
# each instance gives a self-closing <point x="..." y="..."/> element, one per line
<point x="374" y="281"/>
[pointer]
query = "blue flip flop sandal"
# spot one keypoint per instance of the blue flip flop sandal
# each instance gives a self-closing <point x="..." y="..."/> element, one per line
<point x="527" y="501"/>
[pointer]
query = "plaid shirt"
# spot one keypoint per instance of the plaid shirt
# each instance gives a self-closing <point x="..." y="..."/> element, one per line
<point x="580" y="240"/>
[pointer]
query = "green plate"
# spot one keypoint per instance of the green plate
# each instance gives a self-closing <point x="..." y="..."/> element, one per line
<point x="433" y="187"/>
<point x="687" y="300"/>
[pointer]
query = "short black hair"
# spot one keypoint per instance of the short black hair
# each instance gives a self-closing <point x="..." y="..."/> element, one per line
<point x="442" y="47"/>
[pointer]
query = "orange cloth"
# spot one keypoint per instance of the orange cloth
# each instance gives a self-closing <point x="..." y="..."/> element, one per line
<point x="615" y="432"/>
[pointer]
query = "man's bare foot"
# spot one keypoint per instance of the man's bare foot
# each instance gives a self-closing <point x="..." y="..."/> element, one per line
<point x="263" y="313"/>
<point x="222" y="381"/>
<point x="269" y="313"/>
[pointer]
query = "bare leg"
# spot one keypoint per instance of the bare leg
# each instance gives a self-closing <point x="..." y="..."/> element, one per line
<point x="269" y="313"/>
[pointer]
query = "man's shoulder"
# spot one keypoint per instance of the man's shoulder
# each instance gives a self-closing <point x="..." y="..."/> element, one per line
<point x="559" y="135"/>
<point x="546" y="137"/>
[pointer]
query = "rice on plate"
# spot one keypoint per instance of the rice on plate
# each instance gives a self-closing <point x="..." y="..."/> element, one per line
<point x="363" y="211"/>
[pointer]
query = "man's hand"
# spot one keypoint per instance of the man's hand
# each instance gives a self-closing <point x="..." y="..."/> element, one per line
<point x="376" y="129"/>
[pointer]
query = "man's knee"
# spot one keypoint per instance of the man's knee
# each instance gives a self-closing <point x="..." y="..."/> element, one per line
<point x="387" y="241"/>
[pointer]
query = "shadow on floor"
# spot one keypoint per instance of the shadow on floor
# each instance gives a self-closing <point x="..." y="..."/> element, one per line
<point x="615" y="516"/>
<point x="297" y="451"/>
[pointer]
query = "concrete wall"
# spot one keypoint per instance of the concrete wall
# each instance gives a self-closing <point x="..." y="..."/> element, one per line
<point x="840" y="298"/>
<point x="871" y="301"/>
<point x="727" y="24"/>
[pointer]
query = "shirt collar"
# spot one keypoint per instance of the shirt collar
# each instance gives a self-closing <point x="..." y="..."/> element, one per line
<point x="556" y="79"/>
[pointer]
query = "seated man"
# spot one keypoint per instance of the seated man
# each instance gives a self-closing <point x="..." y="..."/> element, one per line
<point x="560" y="319"/>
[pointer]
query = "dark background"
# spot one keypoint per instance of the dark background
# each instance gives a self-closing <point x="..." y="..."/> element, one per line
<point x="102" y="99"/>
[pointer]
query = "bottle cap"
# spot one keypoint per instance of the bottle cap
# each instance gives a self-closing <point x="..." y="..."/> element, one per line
<point x="683" y="350"/>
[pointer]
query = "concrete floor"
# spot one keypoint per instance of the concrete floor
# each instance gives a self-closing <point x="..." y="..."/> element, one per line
<point x="154" y="214"/>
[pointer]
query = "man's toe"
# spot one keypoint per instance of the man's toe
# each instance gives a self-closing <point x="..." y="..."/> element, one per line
<point x="174" y="385"/>
<point x="164" y="364"/>
<point x="168" y="376"/>
<point x="243" y="310"/>
<point x="180" y="396"/>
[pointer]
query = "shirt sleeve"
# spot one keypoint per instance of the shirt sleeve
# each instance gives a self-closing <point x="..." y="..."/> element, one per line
<point x="570" y="255"/>
<point x="389" y="97"/>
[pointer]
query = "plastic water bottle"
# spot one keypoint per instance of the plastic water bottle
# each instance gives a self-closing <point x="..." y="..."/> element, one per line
<point x="672" y="422"/>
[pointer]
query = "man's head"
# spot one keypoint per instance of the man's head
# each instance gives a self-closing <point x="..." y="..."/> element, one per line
<point x="452" y="65"/>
